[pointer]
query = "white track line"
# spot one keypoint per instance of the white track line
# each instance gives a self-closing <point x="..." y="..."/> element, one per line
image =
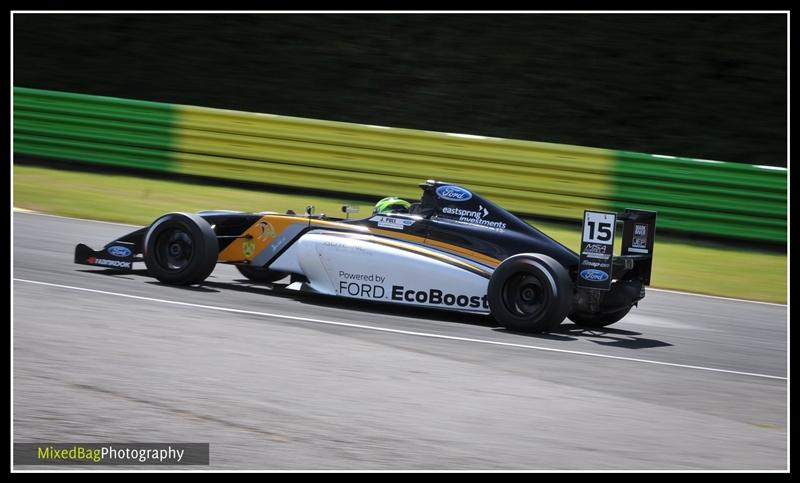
<point x="37" y="213"/>
<point x="29" y="212"/>
<point x="714" y="297"/>
<point x="394" y="331"/>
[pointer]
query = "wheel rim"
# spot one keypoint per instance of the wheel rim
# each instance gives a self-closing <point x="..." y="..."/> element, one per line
<point x="174" y="249"/>
<point x="524" y="296"/>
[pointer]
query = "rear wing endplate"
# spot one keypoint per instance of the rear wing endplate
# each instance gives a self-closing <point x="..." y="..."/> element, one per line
<point x="595" y="269"/>
<point x="638" y="234"/>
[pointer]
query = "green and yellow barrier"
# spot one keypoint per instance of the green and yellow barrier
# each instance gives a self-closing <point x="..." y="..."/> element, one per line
<point x="529" y="178"/>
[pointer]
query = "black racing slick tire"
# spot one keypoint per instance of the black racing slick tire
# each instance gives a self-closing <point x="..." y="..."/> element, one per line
<point x="260" y="275"/>
<point x="530" y="293"/>
<point x="180" y="249"/>
<point x="598" y="320"/>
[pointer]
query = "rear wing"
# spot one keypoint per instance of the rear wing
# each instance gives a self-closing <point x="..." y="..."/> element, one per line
<point x="598" y="265"/>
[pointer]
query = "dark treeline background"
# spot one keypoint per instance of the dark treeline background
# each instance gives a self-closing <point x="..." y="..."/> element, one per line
<point x="699" y="85"/>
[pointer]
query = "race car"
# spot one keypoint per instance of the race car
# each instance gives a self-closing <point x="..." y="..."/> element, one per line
<point x="452" y="250"/>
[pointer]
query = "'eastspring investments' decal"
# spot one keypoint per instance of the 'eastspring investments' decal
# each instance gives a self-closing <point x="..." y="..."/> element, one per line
<point x="475" y="217"/>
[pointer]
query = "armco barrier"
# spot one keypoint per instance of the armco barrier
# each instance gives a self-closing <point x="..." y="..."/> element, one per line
<point x="529" y="178"/>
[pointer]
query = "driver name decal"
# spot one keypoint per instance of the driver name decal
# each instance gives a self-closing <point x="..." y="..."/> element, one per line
<point x="392" y="222"/>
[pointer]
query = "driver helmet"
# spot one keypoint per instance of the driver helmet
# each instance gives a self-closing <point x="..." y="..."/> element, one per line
<point x="391" y="204"/>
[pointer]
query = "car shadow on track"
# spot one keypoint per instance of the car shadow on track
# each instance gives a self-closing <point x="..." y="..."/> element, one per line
<point x="566" y="332"/>
<point x="610" y="337"/>
<point x="110" y="272"/>
<point x="191" y="288"/>
<point x="127" y="275"/>
<point x="321" y="300"/>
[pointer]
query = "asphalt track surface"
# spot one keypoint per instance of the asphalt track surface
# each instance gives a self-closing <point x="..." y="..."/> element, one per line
<point x="275" y="380"/>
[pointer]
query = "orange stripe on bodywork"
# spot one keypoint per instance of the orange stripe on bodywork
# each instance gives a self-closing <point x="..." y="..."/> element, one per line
<point x="492" y="262"/>
<point x="465" y="252"/>
<point x="413" y="248"/>
<point x="253" y="240"/>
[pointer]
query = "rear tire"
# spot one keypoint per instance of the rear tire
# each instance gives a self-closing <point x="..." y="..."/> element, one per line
<point x="530" y="293"/>
<point x="180" y="249"/>
<point x="260" y="275"/>
<point x="598" y="320"/>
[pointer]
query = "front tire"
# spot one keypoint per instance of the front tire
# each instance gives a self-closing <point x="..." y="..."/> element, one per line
<point x="180" y="249"/>
<point x="530" y="293"/>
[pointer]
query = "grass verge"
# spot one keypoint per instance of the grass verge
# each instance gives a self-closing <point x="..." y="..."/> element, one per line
<point x="701" y="267"/>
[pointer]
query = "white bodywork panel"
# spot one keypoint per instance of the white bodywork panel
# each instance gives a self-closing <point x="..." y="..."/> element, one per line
<point x="366" y="268"/>
<point x="287" y="262"/>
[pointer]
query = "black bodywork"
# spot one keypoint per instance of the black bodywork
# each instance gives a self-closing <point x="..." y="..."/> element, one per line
<point x="630" y="272"/>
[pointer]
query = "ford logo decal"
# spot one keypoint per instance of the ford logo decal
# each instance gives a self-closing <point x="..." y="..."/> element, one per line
<point x="453" y="193"/>
<point x="119" y="251"/>
<point x="594" y="275"/>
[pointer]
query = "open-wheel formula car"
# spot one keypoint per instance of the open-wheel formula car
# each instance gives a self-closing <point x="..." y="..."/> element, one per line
<point x="453" y="250"/>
